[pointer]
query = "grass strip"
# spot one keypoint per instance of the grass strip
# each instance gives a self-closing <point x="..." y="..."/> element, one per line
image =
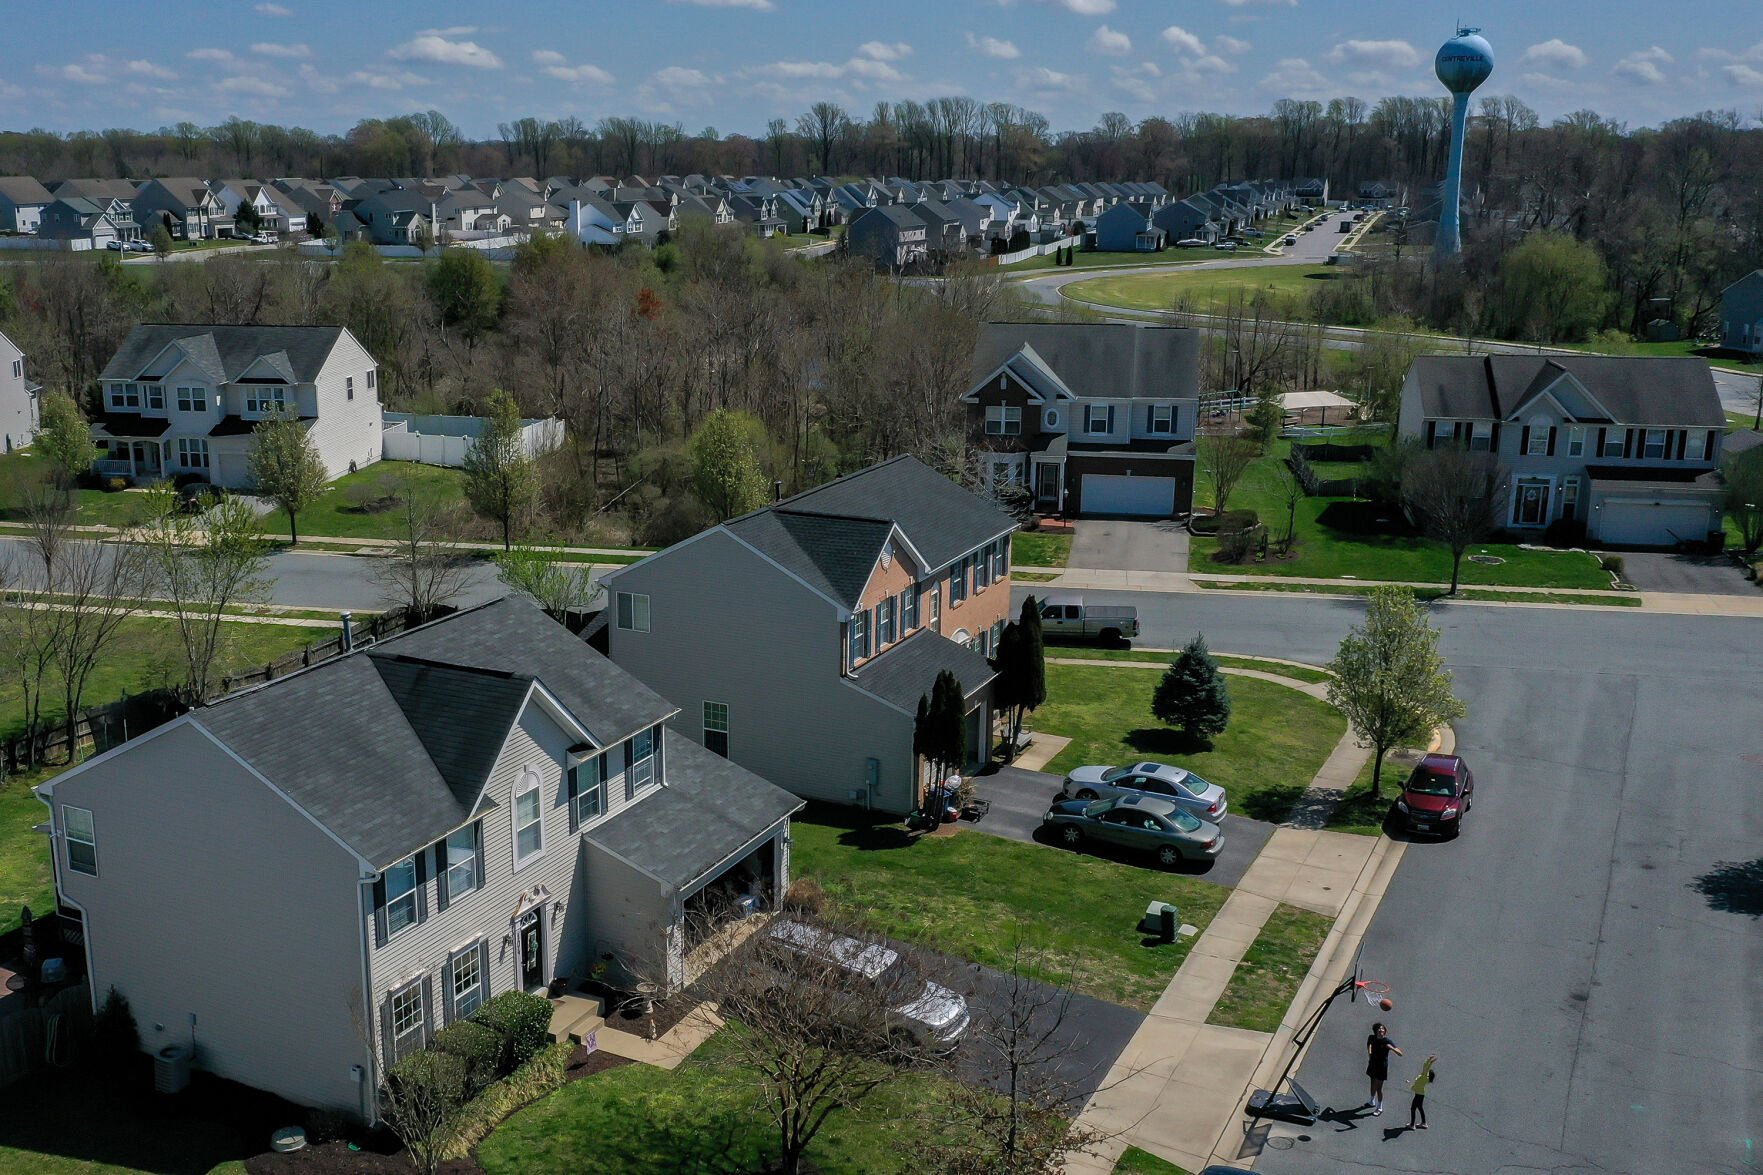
<point x="1264" y="983"/>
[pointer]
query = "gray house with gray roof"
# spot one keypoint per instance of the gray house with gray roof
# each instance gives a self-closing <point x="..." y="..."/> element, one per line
<point x="1741" y="315"/>
<point x="800" y="637"/>
<point x="22" y="200"/>
<point x="1626" y="447"/>
<point x="308" y="879"/>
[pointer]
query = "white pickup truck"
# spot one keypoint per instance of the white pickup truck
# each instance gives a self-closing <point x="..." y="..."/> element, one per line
<point x="1075" y="620"/>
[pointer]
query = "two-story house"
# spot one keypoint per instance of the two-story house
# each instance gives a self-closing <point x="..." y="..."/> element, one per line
<point x="185" y="399"/>
<point x="1126" y="228"/>
<point x="308" y="879"/>
<point x="798" y="639"/>
<point x="186" y="206"/>
<point x="20" y="399"/>
<point x="86" y="222"/>
<point x="1741" y="315"/>
<point x="1095" y="419"/>
<point x="1626" y="446"/>
<point x="22" y="200"/>
<point x="890" y="235"/>
<point x="273" y="216"/>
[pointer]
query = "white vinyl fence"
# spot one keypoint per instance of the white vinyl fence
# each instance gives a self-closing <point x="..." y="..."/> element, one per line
<point x="1032" y="251"/>
<point x="445" y="440"/>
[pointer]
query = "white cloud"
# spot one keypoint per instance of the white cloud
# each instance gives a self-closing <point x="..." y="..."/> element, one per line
<point x="210" y="55"/>
<point x="580" y="73"/>
<point x="865" y="68"/>
<point x="1231" y="44"/>
<point x="1642" y="66"/>
<point x="1039" y="77"/>
<point x="458" y="30"/>
<point x="1390" y="54"/>
<point x="270" y="49"/>
<point x="94" y="69"/>
<point x="1544" y="81"/>
<point x="680" y="78"/>
<point x="1556" y="54"/>
<point x="1261" y="3"/>
<point x="1182" y="41"/>
<point x="387" y="79"/>
<point x="1743" y="75"/>
<point x="147" y="69"/>
<point x="273" y="10"/>
<point x="247" y="84"/>
<point x="1089" y="7"/>
<point x="1129" y="82"/>
<point x="548" y="57"/>
<point x="993" y="47"/>
<point x="883" y="51"/>
<point x="1294" y="77"/>
<point x="761" y="5"/>
<point x="1110" y="41"/>
<point x="444" y="52"/>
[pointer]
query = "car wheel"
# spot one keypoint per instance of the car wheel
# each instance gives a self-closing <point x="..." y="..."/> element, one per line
<point x="1168" y="856"/>
<point x="1111" y="636"/>
<point x="1087" y="794"/>
<point x="1071" y="834"/>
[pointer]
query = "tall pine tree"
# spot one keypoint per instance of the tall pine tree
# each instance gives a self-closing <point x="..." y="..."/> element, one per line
<point x="1192" y="695"/>
<point x="1022" y="669"/>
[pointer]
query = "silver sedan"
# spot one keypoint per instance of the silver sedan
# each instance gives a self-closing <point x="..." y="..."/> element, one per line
<point x="1176" y="784"/>
<point x="1144" y="823"/>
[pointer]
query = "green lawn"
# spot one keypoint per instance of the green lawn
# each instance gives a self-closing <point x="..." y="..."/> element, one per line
<point x="25" y="879"/>
<point x="967" y="894"/>
<point x="19" y="470"/>
<point x="1205" y="291"/>
<point x="1137" y="1162"/>
<point x="1264" y="983"/>
<point x="1431" y="595"/>
<point x="349" y="509"/>
<point x="1085" y="653"/>
<point x="144" y="656"/>
<point x="702" y="1117"/>
<point x="1113" y="260"/>
<point x="1341" y="538"/>
<point x="1278" y="738"/>
<point x="1035" y="549"/>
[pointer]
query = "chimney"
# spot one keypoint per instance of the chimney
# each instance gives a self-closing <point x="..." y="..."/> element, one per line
<point x="777" y="491"/>
<point x="347" y="643"/>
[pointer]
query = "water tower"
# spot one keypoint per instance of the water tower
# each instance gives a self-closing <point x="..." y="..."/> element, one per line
<point x="1464" y="62"/>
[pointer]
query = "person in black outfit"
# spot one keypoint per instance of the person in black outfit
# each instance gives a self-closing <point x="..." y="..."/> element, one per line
<point x="1378" y="1047"/>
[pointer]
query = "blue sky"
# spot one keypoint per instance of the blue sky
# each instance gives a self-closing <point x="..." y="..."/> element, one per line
<point x="733" y="64"/>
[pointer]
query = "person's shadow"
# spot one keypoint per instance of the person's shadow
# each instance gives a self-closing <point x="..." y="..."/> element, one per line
<point x="1343" y="1120"/>
<point x="1391" y="1133"/>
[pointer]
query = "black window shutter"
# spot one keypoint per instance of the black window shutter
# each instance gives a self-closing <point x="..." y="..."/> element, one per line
<point x="483" y="968"/>
<point x="388" y="1042"/>
<point x="447" y="985"/>
<point x="477" y="838"/>
<point x="379" y="912"/>
<point x="1683" y="438"/>
<point x="1628" y="442"/>
<point x="442" y="897"/>
<point x="1524" y="441"/>
<point x="428" y="1010"/>
<point x="422" y="871"/>
<point x="571" y="788"/>
<point x="1600" y="452"/>
<point x="1552" y="431"/>
<point x="1708" y="446"/>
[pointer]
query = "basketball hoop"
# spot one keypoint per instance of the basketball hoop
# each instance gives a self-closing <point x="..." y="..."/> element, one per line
<point x="1376" y="993"/>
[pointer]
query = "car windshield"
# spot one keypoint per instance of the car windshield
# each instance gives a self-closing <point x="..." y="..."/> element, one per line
<point x="1429" y="783"/>
<point x="1114" y="773"/>
<point x="1095" y="810"/>
<point x="1184" y="820"/>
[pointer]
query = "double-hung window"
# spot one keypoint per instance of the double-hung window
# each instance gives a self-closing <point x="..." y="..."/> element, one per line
<point x="982" y="570"/>
<point x="1003" y="420"/>
<point x="193" y="452"/>
<point x="349" y="387"/>
<point x="155" y="395"/>
<point x="1538" y="444"/>
<point x="1576" y="441"/>
<point x="467" y="982"/>
<point x="1001" y="558"/>
<point x="1655" y="446"/>
<point x="459" y="859"/>
<point x="909" y="609"/>
<point x="1613" y="443"/>
<point x="587" y="789"/>
<point x="633" y="611"/>
<point x="1162" y="419"/>
<point x="642" y="768"/>
<point x="529" y="822"/>
<point x="958" y="582"/>
<point x="401" y="896"/>
<point x="264" y="399"/>
<point x="125" y="395"/>
<point x="408" y="1020"/>
<point x="716" y="727"/>
<point x="858" y="637"/>
<point x="192" y="399"/>
<point x="884" y="623"/>
<point x="372" y="379"/>
<point x="1098" y="418"/>
<point x="1695" y="443"/>
<point x="82" y="840"/>
<point x="1481" y="437"/>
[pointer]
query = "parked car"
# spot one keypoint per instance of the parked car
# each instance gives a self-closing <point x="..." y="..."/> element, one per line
<point x="139" y="246"/>
<point x="196" y="496"/>
<point x="263" y="239"/>
<point x="1291" y="239"/>
<point x="1437" y="796"/>
<point x="934" y="1017"/>
<point x="1075" y="620"/>
<point x="1192" y="243"/>
<point x="1227" y="246"/>
<point x="1146" y="823"/>
<point x="113" y="243"/>
<point x="1176" y="784"/>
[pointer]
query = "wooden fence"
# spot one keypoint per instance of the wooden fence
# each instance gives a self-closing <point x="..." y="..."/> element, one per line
<point x="26" y="1046"/>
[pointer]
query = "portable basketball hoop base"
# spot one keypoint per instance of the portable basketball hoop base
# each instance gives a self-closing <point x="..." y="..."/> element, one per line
<point x="1298" y="1107"/>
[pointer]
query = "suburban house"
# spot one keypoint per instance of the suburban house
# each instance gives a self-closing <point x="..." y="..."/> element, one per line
<point x="184" y="399"/>
<point x="1381" y="194"/>
<point x="187" y="207"/>
<point x="1310" y="190"/>
<point x="798" y="639"/>
<point x="1188" y="220"/>
<point x="891" y="235"/>
<point x="479" y="805"/>
<point x="398" y="216"/>
<point x="1126" y="229"/>
<point x="1741" y="315"/>
<point x="273" y="215"/>
<point x="1095" y="419"/>
<point x="1626" y="446"/>
<point x="20" y="399"/>
<point x="87" y="222"/>
<point x="22" y="200"/>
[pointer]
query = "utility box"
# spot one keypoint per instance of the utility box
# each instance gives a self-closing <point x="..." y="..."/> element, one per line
<point x="1161" y="920"/>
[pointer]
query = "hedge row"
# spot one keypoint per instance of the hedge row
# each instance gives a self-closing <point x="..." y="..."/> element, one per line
<point x="1228" y="521"/>
<point x="1327" y="451"/>
<point x="538" y="1077"/>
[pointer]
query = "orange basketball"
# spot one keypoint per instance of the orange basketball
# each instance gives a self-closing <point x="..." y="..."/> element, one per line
<point x="1386" y="1003"/>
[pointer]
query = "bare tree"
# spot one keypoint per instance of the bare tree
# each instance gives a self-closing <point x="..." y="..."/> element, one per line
<point x="425" y="571"/>
<point x="1291" y="492"/>
<point x="49" y="519"/>
<point x="422" y="1099"/>
<point x="202" y="567"/>
<point x="1458" y="497"/>
<point x="28" y="636"/>
<point x="97" y="587"/>
<point x="558" y="588"/>
<point x="1224" y="458"/>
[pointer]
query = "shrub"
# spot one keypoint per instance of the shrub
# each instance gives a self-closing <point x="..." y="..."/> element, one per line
<point x="115" y="1039"/>
<point x="115" y="485"/>
<point x="524" y="1022"/>
<point x="480" y="1047"/>
<point x="1612" y="564"/>
<point x="1229" y="520"/>
<point x="485" y="1112"/>
<point x="1234" y="546"/>
<point x="804" y="896"/>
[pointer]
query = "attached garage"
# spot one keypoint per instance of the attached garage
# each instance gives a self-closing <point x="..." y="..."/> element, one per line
<point x="1129" y="497"/>
<point x="1635" y="523"/>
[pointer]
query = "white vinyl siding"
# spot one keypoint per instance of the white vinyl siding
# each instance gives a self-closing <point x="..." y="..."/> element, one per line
<point x="82" y="839"/>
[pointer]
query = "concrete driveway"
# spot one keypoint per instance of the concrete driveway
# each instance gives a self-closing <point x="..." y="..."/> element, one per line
<point x="1699" y="575"/>
<point x="1020" y="798"/>
<point x="1103" y="544"/>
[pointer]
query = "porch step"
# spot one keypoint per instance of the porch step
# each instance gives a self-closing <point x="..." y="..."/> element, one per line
<point x="569" y="1012"/>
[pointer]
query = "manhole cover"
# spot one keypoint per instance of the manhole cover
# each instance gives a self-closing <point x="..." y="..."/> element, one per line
<point x="1487" y="560"/>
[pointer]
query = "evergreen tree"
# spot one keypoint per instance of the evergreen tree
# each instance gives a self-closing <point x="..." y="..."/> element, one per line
<point x="1192" y="695"/>
<point x="1022" y="669"/>
<point x="940" y="733"/>
<point x="501" y="480"/>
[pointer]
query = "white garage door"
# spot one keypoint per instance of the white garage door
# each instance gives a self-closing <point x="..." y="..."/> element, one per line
<point x="1129" y="496"/>
<point x="1643" y="524"/>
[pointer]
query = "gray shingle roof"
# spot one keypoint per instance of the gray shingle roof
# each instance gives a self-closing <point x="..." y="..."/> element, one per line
<point x="225" y="352"/>
<point x="709" y="809"/>
<point x="835" y="555"/>
<point x="24" y="190"/>
<point x="905" y="672"/>
<point x="360" y="742"/>
<point x="1100" y="359"/>
<point x="1674" y="392"/>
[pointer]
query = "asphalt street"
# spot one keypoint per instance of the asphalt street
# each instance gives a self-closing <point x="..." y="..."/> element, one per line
<point x="1584" y="959"/>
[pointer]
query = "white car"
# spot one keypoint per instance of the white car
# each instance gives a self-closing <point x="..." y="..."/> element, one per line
<point x="1191" y="243"/>
<point x="935" y="1017"/>
<point x="1176" y="784"/>
<point x="1291" y="239"/>
<point x="1227" y="246"/>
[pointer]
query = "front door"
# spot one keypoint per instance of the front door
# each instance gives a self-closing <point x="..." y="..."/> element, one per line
<point x="529" y="934"/>
<point x="1047" y="485"/>
<point x="1531" y="506"/>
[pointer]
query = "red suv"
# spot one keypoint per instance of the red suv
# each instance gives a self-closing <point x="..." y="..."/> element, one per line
<point x="1437" y="796"/>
